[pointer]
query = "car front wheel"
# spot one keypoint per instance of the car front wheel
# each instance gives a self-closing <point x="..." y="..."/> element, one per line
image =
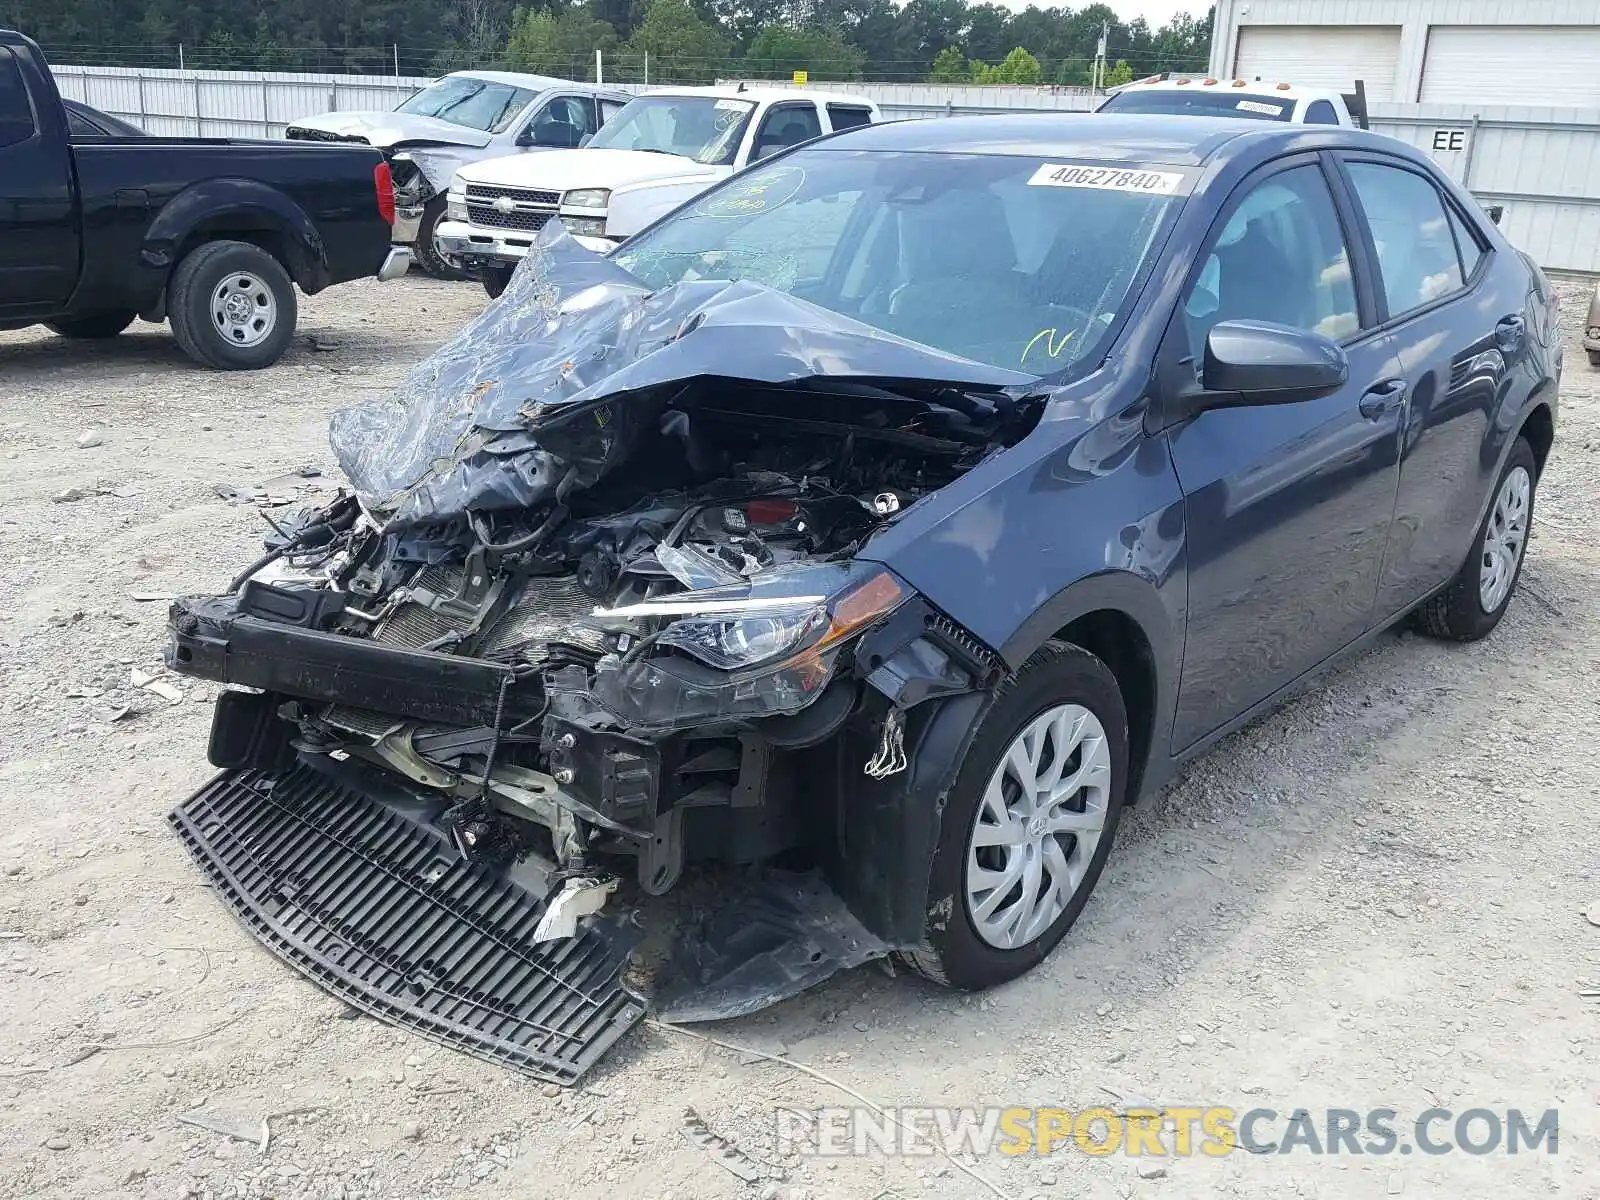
<point x="429" y="256"/>
<point x="1029" y="824"/>
<point x="1477" y="597"/>
<point x="95" y="325"/>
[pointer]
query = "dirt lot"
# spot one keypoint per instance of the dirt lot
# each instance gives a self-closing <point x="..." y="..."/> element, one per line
<point x="1373" y="899"/>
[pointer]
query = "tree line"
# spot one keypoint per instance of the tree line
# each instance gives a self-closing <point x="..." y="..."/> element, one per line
<point x="656" y="41"/>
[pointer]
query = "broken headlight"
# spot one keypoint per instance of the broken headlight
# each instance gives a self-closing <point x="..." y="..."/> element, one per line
<point x="730" y="653"/>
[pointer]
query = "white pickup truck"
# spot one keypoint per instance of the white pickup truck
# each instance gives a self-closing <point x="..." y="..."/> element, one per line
<point x="1186" y="96"/>
<point x="662" y="149"/>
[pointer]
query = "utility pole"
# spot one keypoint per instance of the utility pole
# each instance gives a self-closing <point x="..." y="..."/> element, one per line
<point x="647" y="68"/>
<point x="599" y="69"/>
<point x="1100" y="56"/>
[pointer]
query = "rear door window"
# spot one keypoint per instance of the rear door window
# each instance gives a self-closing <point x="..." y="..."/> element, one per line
<point x="1320" y="112"/>
<point x="16" y="111"/>
<point x="1417" y="255"/>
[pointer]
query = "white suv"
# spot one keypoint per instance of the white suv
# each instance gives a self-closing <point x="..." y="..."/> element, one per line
<point x="662" y="149"/>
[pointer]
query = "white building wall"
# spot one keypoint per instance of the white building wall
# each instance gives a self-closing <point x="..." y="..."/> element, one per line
<point x="1414" y="17"/>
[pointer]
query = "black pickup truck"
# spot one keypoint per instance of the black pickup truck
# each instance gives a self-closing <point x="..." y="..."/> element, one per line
<point x="210" y="234"/>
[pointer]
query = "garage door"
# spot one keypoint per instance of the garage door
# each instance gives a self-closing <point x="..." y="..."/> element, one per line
<point x="1513" y="64"/>
<point x="1329" y="56"/>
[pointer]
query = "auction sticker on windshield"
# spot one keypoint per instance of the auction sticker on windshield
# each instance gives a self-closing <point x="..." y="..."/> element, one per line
<point x="756" y="194"/>
<point x="1111" y="179"/>
<point x="1257" y="106"/>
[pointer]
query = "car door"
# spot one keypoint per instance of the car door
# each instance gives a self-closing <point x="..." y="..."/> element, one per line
<point x="1456" y="316"/>
<point x="38" y="227"/>
<point x="1287" y="505"/>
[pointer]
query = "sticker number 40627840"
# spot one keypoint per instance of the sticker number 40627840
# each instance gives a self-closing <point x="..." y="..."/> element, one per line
<point x="1115" y="179"/>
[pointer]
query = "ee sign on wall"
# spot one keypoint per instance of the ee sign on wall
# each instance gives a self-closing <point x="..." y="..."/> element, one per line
<point x="1449" y="139"/>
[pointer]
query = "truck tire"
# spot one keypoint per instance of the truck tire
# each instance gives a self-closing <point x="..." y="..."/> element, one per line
<point x="1594" y="358"/>
<point x="232" y="306"/>
<point x="427" y="254"/>
<point x="93" y="325"/>
<point x="496" y="280"/>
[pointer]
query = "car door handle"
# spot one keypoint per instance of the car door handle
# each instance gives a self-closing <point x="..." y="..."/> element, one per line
<point x="1382" y="397"/>
<point x="1508" y="332"/>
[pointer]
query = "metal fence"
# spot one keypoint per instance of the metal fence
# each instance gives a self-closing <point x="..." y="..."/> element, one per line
<point x="1541" y="164"/>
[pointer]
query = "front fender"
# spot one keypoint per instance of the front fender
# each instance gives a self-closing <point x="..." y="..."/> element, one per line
<point x="237" y="206"/>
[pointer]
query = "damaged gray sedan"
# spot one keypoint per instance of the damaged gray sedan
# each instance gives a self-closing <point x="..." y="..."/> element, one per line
<point x="815" y="577"/>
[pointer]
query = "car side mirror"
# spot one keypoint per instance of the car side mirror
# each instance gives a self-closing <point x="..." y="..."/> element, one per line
<point x="1258" y="362"/>
<point x="525" y="138"/>
<point x="1496" y="211"/>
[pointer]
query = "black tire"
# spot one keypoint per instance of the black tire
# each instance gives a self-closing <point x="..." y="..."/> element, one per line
<point x="204" y="270"/>
<point x="952" y="951"/>
<point x="495" y="280"/>
<point x="93" y="325"/>
<point x="1458" y="612"/>
<point x="426" y="253"/>
<point x="1594" y="358"/>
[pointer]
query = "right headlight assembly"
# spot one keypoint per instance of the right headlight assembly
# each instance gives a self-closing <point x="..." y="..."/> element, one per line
<point x="728" y="653"/>
<point x="455" y="202"/>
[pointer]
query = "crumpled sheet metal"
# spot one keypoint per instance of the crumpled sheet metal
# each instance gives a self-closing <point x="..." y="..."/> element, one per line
<point x="497" y="417"/>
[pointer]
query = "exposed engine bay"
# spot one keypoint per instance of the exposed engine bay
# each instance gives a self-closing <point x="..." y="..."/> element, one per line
<point x="621" y="634"/>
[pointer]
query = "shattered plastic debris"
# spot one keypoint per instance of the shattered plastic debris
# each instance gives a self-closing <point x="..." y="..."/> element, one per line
<point x="577" y="898"/>
<point x="511" y="412"/>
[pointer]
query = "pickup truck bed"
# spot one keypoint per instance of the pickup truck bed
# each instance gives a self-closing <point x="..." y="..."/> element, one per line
<point x="211" y="234"/>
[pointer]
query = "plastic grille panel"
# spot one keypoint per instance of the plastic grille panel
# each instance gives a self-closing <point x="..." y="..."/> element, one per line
<point x="379" y="910"/>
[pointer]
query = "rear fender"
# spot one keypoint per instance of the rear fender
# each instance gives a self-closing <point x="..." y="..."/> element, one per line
<point x="247" y="210"/>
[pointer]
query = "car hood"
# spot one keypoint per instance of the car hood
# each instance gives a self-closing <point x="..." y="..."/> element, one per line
<point x="385" y="129"/>
<point x="551" y="387"/>
<point x="562" y="170"/>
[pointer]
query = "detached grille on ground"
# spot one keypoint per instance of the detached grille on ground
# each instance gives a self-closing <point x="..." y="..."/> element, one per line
<point x="372" y="902"/>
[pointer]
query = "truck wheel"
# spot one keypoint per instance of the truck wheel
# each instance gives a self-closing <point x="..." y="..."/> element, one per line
<point x="496" y="280"/>
<point x="232" y="306"/>
<point x="1029" y="824"/>
<point x="428" y="255"/>
<point x="93" y="325"/>
<point x="1594" y="358"/>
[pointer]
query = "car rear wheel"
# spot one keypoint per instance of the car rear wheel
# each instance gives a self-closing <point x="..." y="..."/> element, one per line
<point x="496" y="280"/>
<point x="1594" y="358"/>
<point x="429" y="256"/>
<point x="93" y="325"/>
<point x="1029" y="823"/>
<point x="1477" y="597"/>
<point x="232" y="306"/>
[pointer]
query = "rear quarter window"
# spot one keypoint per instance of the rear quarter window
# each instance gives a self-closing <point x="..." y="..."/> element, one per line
<point x="16" y="110"/>
<point x="849" y="116"/>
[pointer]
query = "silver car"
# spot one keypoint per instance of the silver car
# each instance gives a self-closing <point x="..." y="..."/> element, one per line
<point x="459" y="119"/>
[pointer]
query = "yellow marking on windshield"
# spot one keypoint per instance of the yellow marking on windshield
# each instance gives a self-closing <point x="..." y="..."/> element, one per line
<point x="1052" y="347"/>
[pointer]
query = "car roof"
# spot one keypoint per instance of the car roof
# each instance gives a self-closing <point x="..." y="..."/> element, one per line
<point x="1254" y="87"/>
<point x="1097" y="137"/>
<point x="517" y="79"/>
<point x="759" y="94"/>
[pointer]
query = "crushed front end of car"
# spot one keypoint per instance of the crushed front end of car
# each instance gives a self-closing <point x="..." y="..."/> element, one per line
<point x="575" y="704"/>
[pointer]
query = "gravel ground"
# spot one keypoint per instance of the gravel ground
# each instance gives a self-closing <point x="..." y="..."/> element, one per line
<point x="1374" y="898"/>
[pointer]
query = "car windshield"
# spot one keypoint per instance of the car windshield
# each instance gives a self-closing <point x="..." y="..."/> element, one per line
<point x="1015" y="262"/>
<point x="705" y="128"/>
<point x="1185" y="103"/>
<point x="473" y="103"/>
